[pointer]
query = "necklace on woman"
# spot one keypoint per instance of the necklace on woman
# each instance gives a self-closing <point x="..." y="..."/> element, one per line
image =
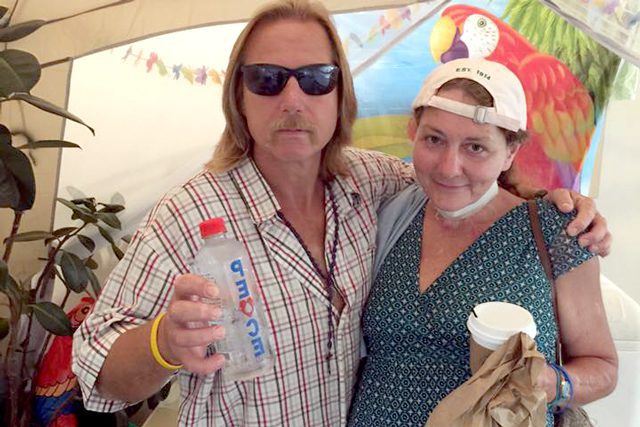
<point x="328" y="278"/>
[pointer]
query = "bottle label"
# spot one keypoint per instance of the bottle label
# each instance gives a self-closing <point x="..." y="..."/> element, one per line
<point x="246" y="306"/>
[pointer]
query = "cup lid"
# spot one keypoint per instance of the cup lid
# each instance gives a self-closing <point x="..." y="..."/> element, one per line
<point x="497" y="321"/>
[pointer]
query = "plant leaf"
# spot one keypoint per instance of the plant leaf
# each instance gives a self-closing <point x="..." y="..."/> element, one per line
<point x="15" y="294"/>
<point x="52" y="318"/>
<point x="78" y="211"/>
<point x="91" y="264"/>
<point x="5" y="279"/>
<point x="56" y="271"/>
<point x="46" y="106"/>
<point x="110" y="219"/>
<point x="30" y="236"/>
<point x="60" y="232"/>
<point x="117" y="199"/>
<point x="111" y="208"/>
<point x="95" y="283"/>
<point x="48" y="143"/>
<point x="117" y="252"/>
<point x="64" y="231"/>
<point x="19" y="71"/>
<point x="20" y="295"/>
<point x="87" y="242"/>
<point x="18" y="31"/>
<point x="17" y="182"/>
<point x="105" y="234"/>
<point x="4" y="327"/>
<point x="84" y="216"/>
<point x="14" y="287"/>
<point x="9" y="192"/>
<point x="87" y="202"/>
<point x="74" y="272"/>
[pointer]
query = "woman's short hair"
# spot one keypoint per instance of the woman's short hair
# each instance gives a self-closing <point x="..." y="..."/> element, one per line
<point x="236" y="142"/>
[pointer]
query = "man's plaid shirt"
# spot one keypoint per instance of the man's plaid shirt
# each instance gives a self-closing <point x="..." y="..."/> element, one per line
<point x="301" y="389"/>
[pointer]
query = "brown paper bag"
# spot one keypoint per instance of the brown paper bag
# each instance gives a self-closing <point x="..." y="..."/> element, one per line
<point x="500" y="393"/>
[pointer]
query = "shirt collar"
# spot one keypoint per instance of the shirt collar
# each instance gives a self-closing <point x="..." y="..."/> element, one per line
<point x="255" y="191"/>
<point x="262" y="203"/>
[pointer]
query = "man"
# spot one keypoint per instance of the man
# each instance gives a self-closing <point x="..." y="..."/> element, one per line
<point x="303" y="205"/>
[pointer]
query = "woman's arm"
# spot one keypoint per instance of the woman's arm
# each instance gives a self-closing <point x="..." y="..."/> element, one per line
<point x="588" y="350"/>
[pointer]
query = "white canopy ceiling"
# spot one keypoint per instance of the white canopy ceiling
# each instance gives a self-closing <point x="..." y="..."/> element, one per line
<point x="114" y="22"/>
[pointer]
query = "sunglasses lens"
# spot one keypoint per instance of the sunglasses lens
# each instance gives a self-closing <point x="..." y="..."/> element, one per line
<point x="264" y="80"/>
<point x="317" y="79"/>
<point x="269" y="80"/>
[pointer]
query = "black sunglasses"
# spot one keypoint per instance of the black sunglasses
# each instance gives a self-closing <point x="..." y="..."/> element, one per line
<point x="270" y="80"/>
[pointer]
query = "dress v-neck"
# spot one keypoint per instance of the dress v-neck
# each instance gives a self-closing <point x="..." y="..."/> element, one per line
<point x="471" y="247"/>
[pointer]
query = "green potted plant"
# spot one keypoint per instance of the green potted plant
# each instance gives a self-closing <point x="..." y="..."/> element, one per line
<point x="29" y="307"/>
<point x="27" y="297"/>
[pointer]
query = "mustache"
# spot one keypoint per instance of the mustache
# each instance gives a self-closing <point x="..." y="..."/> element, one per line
<point x="293" y="122"/>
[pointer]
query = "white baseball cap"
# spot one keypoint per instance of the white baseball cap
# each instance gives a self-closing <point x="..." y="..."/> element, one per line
<point x="510" y="105"/>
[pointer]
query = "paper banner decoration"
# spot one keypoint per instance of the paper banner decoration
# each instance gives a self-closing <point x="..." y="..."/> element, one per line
<point x="394" y="19"/>
<point x="154" y="63"/>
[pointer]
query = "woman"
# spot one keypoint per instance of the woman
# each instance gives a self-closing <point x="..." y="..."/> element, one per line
<point x="471" y="242"/>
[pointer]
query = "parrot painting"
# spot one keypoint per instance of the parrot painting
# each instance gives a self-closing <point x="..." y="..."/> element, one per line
<point x="560" y="118"/>
<point x="56" y="392"/>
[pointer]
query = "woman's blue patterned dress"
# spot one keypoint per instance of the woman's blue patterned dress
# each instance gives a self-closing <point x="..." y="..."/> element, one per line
<point x="417" y="343"/>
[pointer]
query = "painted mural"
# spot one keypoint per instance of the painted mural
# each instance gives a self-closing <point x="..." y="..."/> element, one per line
<point x="566" y="76"/>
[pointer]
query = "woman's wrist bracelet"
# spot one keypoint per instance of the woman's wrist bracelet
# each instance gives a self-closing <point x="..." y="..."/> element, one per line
<point x="155" y="350"/>
<point x="564" y="389"/>
<point x="557" y="388"/>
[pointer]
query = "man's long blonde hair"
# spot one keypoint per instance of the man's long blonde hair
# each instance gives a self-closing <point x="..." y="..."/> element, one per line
<point x="235" y="142"/>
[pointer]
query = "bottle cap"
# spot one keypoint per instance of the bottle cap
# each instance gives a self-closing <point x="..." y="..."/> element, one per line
<point x="212" y="227"/>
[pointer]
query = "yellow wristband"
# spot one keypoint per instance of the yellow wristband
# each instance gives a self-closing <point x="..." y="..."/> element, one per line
<point x="155" y="351"/>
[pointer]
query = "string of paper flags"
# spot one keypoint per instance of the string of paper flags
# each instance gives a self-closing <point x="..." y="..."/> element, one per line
<point x="203" y="75"/>
<point x="178" y="71"/>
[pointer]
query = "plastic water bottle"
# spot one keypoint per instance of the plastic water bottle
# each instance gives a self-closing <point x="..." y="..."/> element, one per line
<point x="246" y="344"/>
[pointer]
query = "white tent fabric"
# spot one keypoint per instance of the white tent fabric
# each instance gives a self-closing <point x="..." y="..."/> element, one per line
<point x="162" y="129"/>
<point x="115" y="22"/>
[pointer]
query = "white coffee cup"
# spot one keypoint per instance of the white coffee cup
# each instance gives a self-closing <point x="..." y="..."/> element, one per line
<point x="495" y="323"/>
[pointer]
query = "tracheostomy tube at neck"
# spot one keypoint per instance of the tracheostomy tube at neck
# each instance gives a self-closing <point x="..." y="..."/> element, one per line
<point x="473" y="207"/>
